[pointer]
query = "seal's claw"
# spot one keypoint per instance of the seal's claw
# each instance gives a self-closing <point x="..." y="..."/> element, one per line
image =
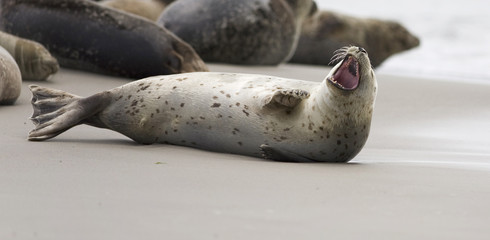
<point x="286" y="98"/>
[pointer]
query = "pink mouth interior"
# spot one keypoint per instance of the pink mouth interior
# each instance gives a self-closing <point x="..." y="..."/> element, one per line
<point x="347" y="75"/>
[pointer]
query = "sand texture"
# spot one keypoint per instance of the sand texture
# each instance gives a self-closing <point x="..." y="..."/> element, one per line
<point x="424" y="174"/>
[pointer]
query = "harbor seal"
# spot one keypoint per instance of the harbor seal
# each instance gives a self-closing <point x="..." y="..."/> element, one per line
<point x="326" y="31"/>
<point x="85" y="35"/>
<point x="255" y="115"/>
<point x="34" y="61"/>
<point x="10" y="78"/>
<point x="149" y="9"/>
<point x="261" y="32"/>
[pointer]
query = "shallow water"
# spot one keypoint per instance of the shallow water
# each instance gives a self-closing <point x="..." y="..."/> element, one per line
<point x="455" y="35"/>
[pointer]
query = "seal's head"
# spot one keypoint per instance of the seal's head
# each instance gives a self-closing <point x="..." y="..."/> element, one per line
<point x="353" y="75"/>
<point x="184" y="58"/>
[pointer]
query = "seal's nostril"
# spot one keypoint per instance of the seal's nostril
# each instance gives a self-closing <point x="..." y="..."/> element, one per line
<point x="360" y="49"/>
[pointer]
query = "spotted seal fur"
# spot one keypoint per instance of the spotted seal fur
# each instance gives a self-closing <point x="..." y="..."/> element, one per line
<point x="255" y="115"/>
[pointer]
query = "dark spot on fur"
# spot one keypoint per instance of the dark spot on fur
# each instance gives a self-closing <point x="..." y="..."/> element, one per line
<point x="339" y="142"/>
<point x="228" y="95"/>
<point x="134" y="103"/>
<point x="174" y="87"/>
<point x="245" y="106"/>
<point x="173" y="109"/>
<point x="215" y="105"/>
<point x="246" y="113"/>
<point x="201" y="117"/>
<point x="215" y="97"/>
<point x="240" y="143"/>
<point x="286" y="129"/>
<point x="182" y="104"/>
<point x="237" y="104"/>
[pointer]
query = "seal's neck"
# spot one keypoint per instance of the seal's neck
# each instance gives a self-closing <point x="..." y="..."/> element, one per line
<point x="344" y="108"/>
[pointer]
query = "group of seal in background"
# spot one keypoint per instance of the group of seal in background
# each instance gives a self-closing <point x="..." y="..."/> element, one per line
<point x="86" y="35"/>
<point x="267" y="31"/>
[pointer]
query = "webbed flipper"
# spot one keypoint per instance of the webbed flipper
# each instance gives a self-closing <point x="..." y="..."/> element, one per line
<point x="56" y="111"/>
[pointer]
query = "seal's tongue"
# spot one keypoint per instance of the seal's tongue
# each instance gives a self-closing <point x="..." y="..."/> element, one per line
<point x="347" y="75"/>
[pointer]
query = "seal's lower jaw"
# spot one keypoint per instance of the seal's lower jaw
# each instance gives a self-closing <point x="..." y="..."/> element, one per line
<point x="347" y="75"/>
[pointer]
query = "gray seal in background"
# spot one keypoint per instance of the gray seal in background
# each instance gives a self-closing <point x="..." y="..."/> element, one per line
<point x="326" y="31"/>
<point x="252" y="32"/>
<point x="85" y="35"/>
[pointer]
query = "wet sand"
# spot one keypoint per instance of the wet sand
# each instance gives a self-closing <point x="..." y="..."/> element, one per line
<point x="424" y="174"/>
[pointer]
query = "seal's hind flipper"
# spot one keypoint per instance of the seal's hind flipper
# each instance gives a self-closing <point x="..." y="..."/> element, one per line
<point x="287" y="98"/>
<point x="276" y="154"/>
<point x="56" y="111"/>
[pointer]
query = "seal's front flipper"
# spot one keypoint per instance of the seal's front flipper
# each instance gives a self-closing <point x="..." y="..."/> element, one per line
<point x="286" y="98"/>
<point x="56" y="111"/>
<point x="276" y="154"/>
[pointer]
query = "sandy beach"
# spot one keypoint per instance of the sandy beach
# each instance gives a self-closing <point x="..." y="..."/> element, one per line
<point x="424" y="174"/>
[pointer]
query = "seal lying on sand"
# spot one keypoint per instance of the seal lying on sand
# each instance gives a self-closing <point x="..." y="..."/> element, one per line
<point x="85" y="35"/>
<point x="150" y="9"/>
<point x="326" y="31"/>
<point x="34" y="61"/>
<point x="262" y="32"/>
<point x="10" y="78"/>
<point x="255" y="115"/>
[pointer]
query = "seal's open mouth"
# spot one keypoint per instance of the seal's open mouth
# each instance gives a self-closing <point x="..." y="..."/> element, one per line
<point x="347" y="75"/>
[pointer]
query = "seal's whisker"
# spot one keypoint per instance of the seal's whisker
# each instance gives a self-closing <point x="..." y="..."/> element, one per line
<point x="339" y="54"/>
